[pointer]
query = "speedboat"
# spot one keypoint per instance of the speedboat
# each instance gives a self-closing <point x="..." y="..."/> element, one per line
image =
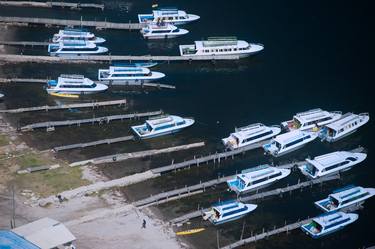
<point x="160" y="126"/>
<point x="345" y="197"/>
<point x="288" y="142"/>
<point x="328" y="223"/>
<point x="331" y="163"/>
<point x="228" y="211"/>
<point x="74" y="84"/>
<point x="255" y="178"/>
<point x="128" y="74"/>
<point x="136" y="64"/>
<point x="221" y="46"/>
<point x="162" y="31"/>
<point x="74" y="48"/>
<point x="348" y="124"/>
<point x="68" y="34"/>
<point x="311" y="120"/>
<point x="167" y="15"/>
<point x="250" y="134"/>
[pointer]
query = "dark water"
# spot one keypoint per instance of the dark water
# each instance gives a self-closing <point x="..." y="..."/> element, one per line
<point x="317" y="54"/>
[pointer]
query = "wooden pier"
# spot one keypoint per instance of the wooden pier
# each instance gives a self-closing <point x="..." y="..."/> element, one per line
<point x="51" y="4"/>
<point x="100" y="120"/>
<point x="24" y="43"/>
<point x="47" y="108"/>
<point x="138" y="154"/>
<point x="93" y="143"/>
<point x="11" y="20"/>
<point x="15" y="58"/>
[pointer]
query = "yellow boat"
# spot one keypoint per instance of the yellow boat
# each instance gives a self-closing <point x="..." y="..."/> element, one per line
<point x="64" y="95"/>
<point x="191" y="231"/>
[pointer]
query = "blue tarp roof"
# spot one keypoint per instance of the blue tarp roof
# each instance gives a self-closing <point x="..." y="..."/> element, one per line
<point x="10" y="240"/>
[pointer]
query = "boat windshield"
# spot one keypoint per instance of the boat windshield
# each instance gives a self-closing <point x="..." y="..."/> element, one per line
<point x="309" y="168"/>
<point x="297" y="123"/>
<point x="331" y="132"/>
<point x="278" y="145"/>
<point x="334" y="201"/>
<point x="315" y="227"/>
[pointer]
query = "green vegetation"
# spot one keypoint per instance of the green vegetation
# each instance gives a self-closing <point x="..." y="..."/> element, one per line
<point x="3" y="140"/>
<point x="31" y="160"/>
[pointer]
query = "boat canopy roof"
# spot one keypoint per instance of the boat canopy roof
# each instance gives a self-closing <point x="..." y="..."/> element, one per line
<point x="311" y="115"/>
<point x="343" y="121"/>
<point x="74" y="32"/>
<point x="252" y="174"/>
<point x="77" y="43"/>
<point x="248" y="131"/>
<point x="331" y="217"/>
<point x="347" y="193"/>
<point x="221" y="42"/>
<point x="323" y="161"/>
<point x="74" y="79"/>
<point x="227" y="206"/>
<point x="290" y="136"/>
<point x="161" y="12"/>
<point x="163" y="26"/>
<point x="128" y="70"/>
<point x="161" y="121"/>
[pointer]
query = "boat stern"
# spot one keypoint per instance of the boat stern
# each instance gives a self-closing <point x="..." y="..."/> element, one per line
<point x="145" y="18"/>
<point x="234" y="185"/>
<point x="324" y="205"/>
<point x="140" y="130"/>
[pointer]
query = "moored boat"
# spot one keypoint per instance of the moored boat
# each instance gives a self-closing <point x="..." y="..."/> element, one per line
<point x="255" y="178"/>
<point x="167" y="15"/>
<point x="345" y="197"/>
<point x="348" y="124"/>
<point x="128" y="74"/>
<point x="221" y="46"/>
<point x="311" y="119"/>
<point x="288" y="142"/>
<point x="74" y="84"/>
<point x="162" y="31"/>
<point x="69" y="34"/>
<point x="250" y="134"/>
<point x="160" y="126"/>
<point x="228" y="211"/>
<point x="75" y="48"/>
<point x="331" y="163"/>
<point x="328" y="223"/>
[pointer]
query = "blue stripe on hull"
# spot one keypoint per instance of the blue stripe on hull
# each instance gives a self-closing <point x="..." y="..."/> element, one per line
<point x="230" y="219"/>
<point x="161" y="134"/>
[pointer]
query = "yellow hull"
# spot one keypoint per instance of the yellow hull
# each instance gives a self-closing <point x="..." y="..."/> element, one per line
<point x="191" y="231"/>
<point x="65" y="95"/>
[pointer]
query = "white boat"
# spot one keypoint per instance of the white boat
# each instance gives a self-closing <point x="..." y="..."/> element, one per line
<point x="128" y="74"/>
<point x="162" y="31"/>
<point x="255" y="178"/>
<point x="136" y="64"/>
<point x="328" y="223"/>
<point x="228" y="211"/>
<point x="160" y="126"/>
<point x="74" y="48"/>
<point x="250" y="134"/>
<point x="331" y="163"/>
<point x="288" y="142"/>
<point x="75" y="34"/>
<point x="221" y="46"/>
<point x="348" y="124"/>
<point x="167" y="15"/>
<point x="74" y="84"/>
<point x="310" y="120"/>
<point x="345" y="197"/>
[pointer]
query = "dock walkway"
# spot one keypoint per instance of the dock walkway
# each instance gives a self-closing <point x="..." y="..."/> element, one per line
<point x="24" y="43"/>
<point x="78" y="122"/>
<point x="47" y="108"/>
<point x="51" y="4"/>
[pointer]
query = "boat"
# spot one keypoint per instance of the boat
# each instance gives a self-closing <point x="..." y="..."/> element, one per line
<point x="69" y="34"/>
<point x="136" y="64"/>
<point x="227" y="211"/>
<point x="190" y="231"/>
<point x="345" y="197"/>
<point x="311" y="119"/>
<point x="162" y="31"/>
<point x="63" y="95"/>
<point x="73" y="84"/>
<point x="74" y="48"/>
<point x="328" y="223"/>
<point x="221" y="46"/>
<point x="250" y="134"/>
<point x="288" y="142"/>
<point x="331" y="163"/>
<point x="255" y="178"/>
<point x="128" y="74"/>
<point x="348" y="124"/>
<point x="167" y="15"/>
<point x="160" y="126"/>
<point x="2" y="96"/>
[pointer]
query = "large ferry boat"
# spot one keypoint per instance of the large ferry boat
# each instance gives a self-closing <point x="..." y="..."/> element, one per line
<point x="250" y="134"/>
<point x="75" y="48"/>
<point x="328" y="223"/>
<point x="331" y="163"/>
<point x="68" y="34"/>
<point x="288" y="142"/>
<point x="348" y="124"/>
<point x="311" y="119"/>
<point x="162" y="31"/>
<point x="255" y="178"/>
<point x="167" y="15"/>
<point x="345" y="197"/>
<point x="74" y="84"/>
<point x="160" y="126"/>
<point x="228" y="211"/>
<point x="128" y="74"/>
<point x="221" y="46"/>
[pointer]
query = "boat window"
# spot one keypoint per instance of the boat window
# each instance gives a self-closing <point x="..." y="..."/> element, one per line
<point x="164" y="127"/>
<point x="206" y="51"/>
<point x="337" y="223"/>
<point x="337" y="165"/>
<point x="275" y="175"/>
<point x="316" y="226"/>
<point x="257" y="136"/>
<point x="334" y="201"/>
<point x="294" y="142"/>
<point x="235" y="211"/>
<point x="307" y="137"/>
<point x="355" y="198"/>
<point x="176" y="31"/>
<point x="181" y="17"/>
<point x="351" y="159"/>
<point x="181" y="122"/>
<point x="278" y="145"/>
<point x="297" y="123"/>
<point x="309" y="168"/>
